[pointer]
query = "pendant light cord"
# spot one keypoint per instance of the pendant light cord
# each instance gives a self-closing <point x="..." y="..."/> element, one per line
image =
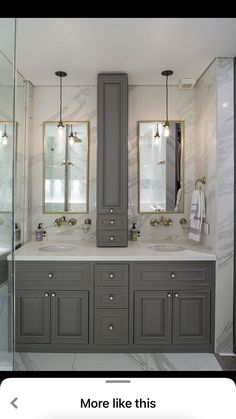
<point x="167" y="119"/>
<point x="60" y="99"/>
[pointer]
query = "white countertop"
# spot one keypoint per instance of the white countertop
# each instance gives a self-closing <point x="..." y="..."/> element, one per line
<point x="87" y="251"/>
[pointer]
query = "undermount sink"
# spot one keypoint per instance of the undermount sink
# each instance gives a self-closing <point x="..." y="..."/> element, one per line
<point x="58" y="247"/>
<point x="165" y="247"/>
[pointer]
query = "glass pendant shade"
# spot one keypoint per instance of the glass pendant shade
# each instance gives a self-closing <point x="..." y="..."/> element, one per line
<point x="5" y="137"/>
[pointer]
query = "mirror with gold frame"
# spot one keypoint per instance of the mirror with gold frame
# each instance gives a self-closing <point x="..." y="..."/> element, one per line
<point x="66" y="168"/>
<point x="160" y="167"/>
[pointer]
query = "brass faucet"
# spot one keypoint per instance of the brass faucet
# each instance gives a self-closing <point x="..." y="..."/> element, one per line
<point x="162" y="221"/>
<point x="62" y="221"/>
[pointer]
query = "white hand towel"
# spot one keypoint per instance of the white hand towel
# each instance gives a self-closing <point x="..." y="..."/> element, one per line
<point x="197" y="214"/>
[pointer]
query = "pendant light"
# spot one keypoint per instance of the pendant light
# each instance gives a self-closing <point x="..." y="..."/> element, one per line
<point x="5" y="136"/>
<point x="167" y="73"/>
<point x="157" y="135"/>
<point x="60" y="125"/>
<point x="77" y="139"/>
<point x="71" y="136"/>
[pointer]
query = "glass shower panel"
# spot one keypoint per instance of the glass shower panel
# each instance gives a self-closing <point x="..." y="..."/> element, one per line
<point x="7" y="135"/>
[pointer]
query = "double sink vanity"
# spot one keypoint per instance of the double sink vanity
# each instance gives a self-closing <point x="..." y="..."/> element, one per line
<point x="76" y="297"/>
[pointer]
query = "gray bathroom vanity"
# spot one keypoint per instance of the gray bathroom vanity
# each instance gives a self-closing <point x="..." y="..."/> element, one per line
<point x="106" y="304"/>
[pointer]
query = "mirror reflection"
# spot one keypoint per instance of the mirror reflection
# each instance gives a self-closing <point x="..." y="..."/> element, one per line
<point x="66" y="168"/>
<point x="160" y="183"/>
<point x="6" y="142"/>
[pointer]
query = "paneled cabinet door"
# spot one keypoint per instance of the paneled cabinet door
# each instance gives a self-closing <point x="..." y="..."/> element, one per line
<point x="191" y="317"/>
<point x="33" y="317"/>
<point x="152" y="317"/>
<point x="69" y="314"/>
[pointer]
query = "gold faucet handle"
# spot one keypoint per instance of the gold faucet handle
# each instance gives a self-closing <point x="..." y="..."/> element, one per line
<point x="72" y="222"/>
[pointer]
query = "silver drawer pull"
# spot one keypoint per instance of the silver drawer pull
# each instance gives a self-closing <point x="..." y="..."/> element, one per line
<point x="111" y="275"/>
<point x="111" y="210"/>
<point x="50" y="275"/>
<point x="112" y="222"/>
<point x="112" y="238"/>
<point x="169" y="295"/>
<point x="46" y="294"/>
<point x="53" y="294"/>
<point x="172" y="275"/>
<point x="110" y="327"/>
<point x="111" y="297"/>
<point x="176" y="295"/>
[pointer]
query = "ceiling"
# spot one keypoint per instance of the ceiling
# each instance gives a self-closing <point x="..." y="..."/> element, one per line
<point x="142" y="47"/>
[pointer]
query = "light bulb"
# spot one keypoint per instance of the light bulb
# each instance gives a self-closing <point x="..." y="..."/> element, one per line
<point x="166" y="130"/>
<point x="60" y="130"/>
<point x="72" y="141"/>
<point x="156" y="141"/>
<point x="4" y="140"/>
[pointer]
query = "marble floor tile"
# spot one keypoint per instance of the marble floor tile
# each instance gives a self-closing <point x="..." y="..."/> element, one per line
<point x="115" y="362"/>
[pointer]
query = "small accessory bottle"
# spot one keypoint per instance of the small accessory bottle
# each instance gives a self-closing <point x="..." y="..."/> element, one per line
<point x="39" y="232"/>
<point x="134" y="233"/>
<point x="17" y="233"/>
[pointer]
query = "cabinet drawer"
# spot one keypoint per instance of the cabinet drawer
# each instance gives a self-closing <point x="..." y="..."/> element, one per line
<point x="149" y="274"/>
<point x="31" y="271"/>
<point x="112" y="222"/>
<point x="111" y="297"/>
<point x="112" y="238"/>
<point x="111" y="326"/>
<point x="111" y="274"/>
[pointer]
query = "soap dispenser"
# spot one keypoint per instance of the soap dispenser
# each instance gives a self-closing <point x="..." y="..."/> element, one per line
<point x="134" y="233"/>
<point x="39" y="232"/>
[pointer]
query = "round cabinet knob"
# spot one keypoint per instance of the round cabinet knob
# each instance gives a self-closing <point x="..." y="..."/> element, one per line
<point x="46" y="294"/>
<point x="111" y="210"/>
<point x="169" y="295"/>
<point x="111" y="297"/>
<point x="50" y="275"/>
<point x="112" y="238"/>
<point x="172" y="275"/>
<point x="53" y="294"/>
<point x="110" y="327"/>
<point x="176" y="295"/>
<point x="112" y="222"/>
<point x="111" y="275"/>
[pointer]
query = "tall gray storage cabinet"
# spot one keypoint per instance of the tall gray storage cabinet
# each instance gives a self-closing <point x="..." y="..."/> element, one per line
<point x="112" y="160"/>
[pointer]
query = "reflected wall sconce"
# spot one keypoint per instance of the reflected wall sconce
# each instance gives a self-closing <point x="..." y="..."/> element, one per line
<point x="60" y="125"/>
<point x="5" y="136"/>
<point x="167" y="73"/>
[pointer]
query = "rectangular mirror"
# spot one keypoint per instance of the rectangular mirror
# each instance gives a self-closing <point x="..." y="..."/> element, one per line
<point x="66" y="168"/>
<point x="160" y="167"/>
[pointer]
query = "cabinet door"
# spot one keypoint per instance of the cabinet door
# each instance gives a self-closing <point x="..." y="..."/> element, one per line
<point x="112" y="185"/>
<point x="152" y="317"/>
<point x="191" y="317"/>
<point x="69" y="317"/>
<point x="32" y="317"/>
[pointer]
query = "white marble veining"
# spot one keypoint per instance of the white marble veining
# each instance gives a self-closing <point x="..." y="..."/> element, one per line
<point x="116" y="362"/>
<point x="87" y="251"/>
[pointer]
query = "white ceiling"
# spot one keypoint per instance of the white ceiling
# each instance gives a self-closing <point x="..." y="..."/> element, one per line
<point x="142" y="47"/>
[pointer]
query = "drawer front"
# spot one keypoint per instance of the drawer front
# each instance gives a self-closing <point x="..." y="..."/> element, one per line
<point x="110" y="274"/>
<point x="111" y="326"/>
<point x="149" y="274"/>
<point x="112" y="238"/>
<point x="30" y="271"/>
<point x="111" y="297"/>
<point x="112" y="222"/>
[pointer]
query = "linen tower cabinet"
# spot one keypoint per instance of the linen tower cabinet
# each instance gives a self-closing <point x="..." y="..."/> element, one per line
<point x="112" y="160"/>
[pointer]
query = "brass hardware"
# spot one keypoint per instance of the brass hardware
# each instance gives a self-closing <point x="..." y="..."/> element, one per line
<point x="169" y="295"/>
<point x="161" y="162"/>
<point x="183" y="221"/>
<point x="172" y="275"/>
<point x="111" y="210"/>
<point x="112" y="238"/>
<point x="111" y="275"/>
<point x="50" y="275"/>
<point x="112" y="222"/>
<point x="62" y="221"/>
<point x="88" y="221"/>
<point x="110" y="327"/>
<point x="111" y="297"/>
<point x="200" y="179"/>
<point x="46" y="294"/>
<point x="163" y="221"/>
<point x="53" y="294"/>
<point x="176" y="295"/>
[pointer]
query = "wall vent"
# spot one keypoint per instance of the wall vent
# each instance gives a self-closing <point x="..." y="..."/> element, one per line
<point x="187" y="83"/>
